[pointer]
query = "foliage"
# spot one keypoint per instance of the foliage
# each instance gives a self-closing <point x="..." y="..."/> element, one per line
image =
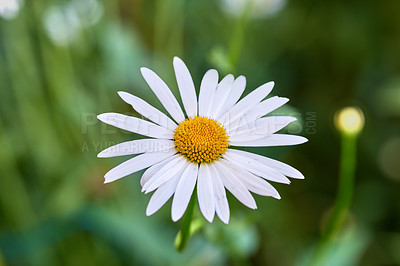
<point x="62" y="63"/>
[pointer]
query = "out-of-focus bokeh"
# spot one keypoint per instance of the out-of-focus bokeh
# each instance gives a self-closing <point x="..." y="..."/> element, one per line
<point x="62" y="63"/>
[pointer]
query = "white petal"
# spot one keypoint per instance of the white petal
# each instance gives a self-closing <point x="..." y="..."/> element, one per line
<point x="258" y="111"/>
<point x="163" y="93"/>
<point x="135" y="164"/>
<point x="246" y="103"/>
<point x="162" y="195"/>
<point x="234" y="185"/>
<point x="260" y="128"/>
<point x="272" y="140"/>
<point x="184" y="191"/>
<point x="222" y="92"/>
<point x="237" y="90"/>
<point x="136" y="125"/>
<point x="137" y="146"/>
<point x="186" y="87"/>
<point x="277" y="165"/>
<point x="255" y="167"/>
<point x="148" y="111"/>
<point x="207" y="92"/>
<point x="268" y="106"/>
<point x="153" y="170"/>
<point x="165" y="173"/>
<point x="205" y="192"/>
<point x="253" y="183"/>
<point x="221" y="202"/>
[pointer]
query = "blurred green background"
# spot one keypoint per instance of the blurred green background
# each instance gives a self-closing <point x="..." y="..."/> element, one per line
<point x="62" y="63"/>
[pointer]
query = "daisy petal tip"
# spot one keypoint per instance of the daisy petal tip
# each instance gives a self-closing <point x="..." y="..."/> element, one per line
<point x="110" y="177"/>
<point x="225" y="220"/>
<point x="276" y="195"/>
<point x="209" y="216"/>
<point x="177" y="60"/>
<point x="100" y="155"/>
<point x="145" y="71"/>
<point x="286" y="181"/>
<point x="149" y="212"/>
<point x="210" y="219"/>
<point x="304" y="140"/>
<point x="253" y="206"/>
<point x="123" y="95"/>
<point x="213" y="72"/>
<point x="148" y="189"/>
<point x="299" y="176"/>
<point x="175" y="217"/>
<point x="101" y="117"/>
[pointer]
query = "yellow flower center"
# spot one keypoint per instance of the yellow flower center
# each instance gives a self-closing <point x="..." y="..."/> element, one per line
<point x="201" y="139"/>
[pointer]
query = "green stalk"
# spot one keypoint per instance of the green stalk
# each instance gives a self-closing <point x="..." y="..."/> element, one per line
<point x="346" y="185"/>
<point x="169" y="20"/>
<point x="1" y="259"/>
<point x="343" y="199"/>
<point x="184" y="234"/>
<point x="237" y="39"/>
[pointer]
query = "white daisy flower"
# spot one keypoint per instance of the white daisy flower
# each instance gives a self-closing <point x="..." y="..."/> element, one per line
<point x="197" y="149"/>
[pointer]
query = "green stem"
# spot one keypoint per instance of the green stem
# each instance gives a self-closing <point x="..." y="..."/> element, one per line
<point x="346" y="185"/>
<point x="343" y="199"/>
<point x="1" y="259"/>
<point x="169" y="21"/>
<point x="184" y="234"/>
<point x="237" y="39"/>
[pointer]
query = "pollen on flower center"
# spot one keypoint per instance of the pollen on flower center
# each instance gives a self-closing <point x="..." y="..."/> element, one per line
<point x="201" y="139"/>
